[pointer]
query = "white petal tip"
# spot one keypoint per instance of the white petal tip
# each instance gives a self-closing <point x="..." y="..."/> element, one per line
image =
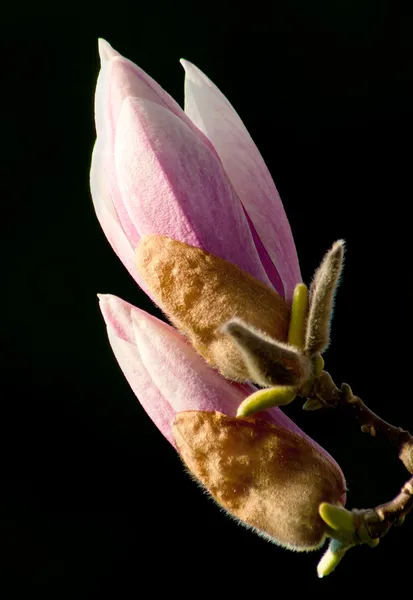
<point x="106" y="52"/>
<point x="106" y="301"/>
<point x="188" y="66"/>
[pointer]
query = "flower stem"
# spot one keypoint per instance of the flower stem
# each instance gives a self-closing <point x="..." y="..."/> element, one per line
<point x="370" y="524"/>
<point x="329" y="395"/>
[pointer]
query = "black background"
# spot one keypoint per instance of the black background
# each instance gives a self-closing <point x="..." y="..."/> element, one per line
<point x="94" y="502"/>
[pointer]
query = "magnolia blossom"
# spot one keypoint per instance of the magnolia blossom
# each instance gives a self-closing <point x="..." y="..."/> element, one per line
<point x="195" y="185"/>
<point x="167" y="375"/>
<point x="187" y="400"/>
<point x="194" y="176"/>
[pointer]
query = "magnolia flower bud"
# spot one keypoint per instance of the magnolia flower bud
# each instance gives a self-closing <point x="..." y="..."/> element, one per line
<point x="215" y="251"/>
<point x="265" y="475"/>
<point x="201" y="293"/>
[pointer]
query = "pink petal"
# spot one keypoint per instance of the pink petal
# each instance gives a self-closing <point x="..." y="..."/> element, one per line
<point x="172" y="184"/>
<point x="160" y="173"/>
<point x="167" y="375"/>
<point x="163" y="370"/>
<point x="108" y="218"/>
<point x="119" y="79"/>
<point x="123" y="79"/>
<point x="213" y="114"/>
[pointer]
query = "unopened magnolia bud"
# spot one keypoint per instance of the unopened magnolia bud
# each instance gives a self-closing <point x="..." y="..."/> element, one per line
<point x="200" y="292"/>
<point x="268" y="477"/>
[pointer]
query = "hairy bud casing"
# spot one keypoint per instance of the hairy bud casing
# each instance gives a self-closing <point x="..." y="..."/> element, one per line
<point x="264" y="475"/>
<point x="200" y="292"/>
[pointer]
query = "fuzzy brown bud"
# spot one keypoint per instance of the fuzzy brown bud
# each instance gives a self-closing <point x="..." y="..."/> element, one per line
<point x="268" y="477"/>
<point x="200" y="292"/>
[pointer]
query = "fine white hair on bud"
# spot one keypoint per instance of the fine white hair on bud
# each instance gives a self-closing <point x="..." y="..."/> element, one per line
<point x="322" y="292"/>
<point x="269" y="361"/>
<point x="268" y="477"/>
<point x="200" y="292"/>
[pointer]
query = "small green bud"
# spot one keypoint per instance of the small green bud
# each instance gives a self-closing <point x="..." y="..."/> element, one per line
<point x="313" y="404"/>
<point x="331" y="558"/>
<point x="298" y="320"/>
<point x="264" y="399"/>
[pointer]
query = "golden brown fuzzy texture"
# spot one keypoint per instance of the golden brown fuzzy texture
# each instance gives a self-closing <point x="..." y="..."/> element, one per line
<point x="267" y="476"/>
<point x="200" y="292"/>
<point x="322" y="293"/>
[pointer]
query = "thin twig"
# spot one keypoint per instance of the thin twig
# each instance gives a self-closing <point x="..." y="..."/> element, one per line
<point x="369" y="525"/>
<point x="328" y="394"/>
<point x="377" y="522"/>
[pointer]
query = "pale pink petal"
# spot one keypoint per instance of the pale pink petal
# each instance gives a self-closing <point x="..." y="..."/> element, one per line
<point x="159" y="363"/>
<point x="161" y="174"/>
<point x="108" y="218"/>
<point x="172" y="184"/>
<point x="167" y="375"/>
<point x="213" y="114"/>
<point x="122" y="79"/>
<point x="150" y="397"/>
<point x="119" y="79"/>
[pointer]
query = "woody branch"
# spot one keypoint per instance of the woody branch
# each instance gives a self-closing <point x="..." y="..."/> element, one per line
<point x="375" y="521"/>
